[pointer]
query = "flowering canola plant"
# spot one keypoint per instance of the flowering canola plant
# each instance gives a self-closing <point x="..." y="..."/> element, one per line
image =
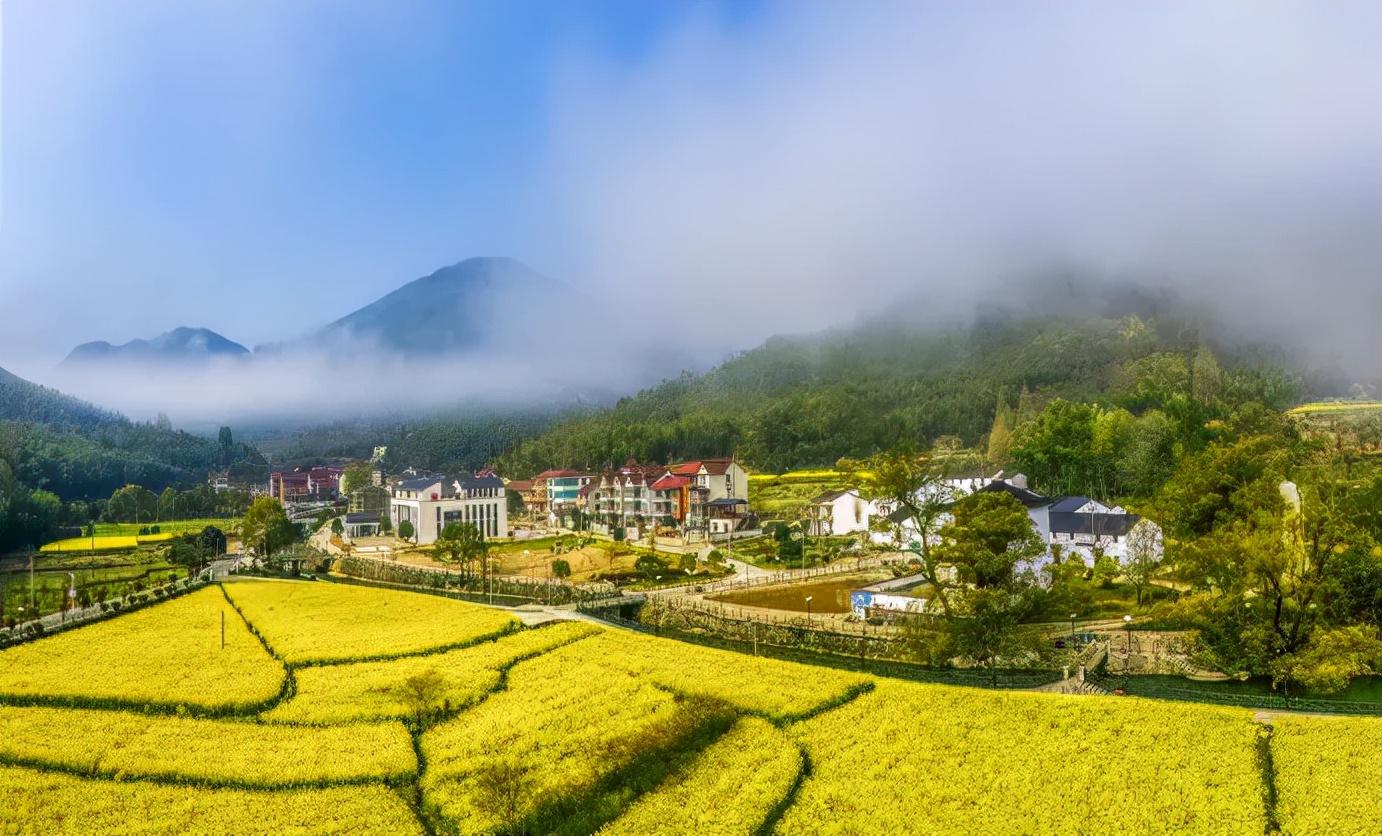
<point x="55" y="804"/>
<point x="777" y="690"/>
<point x="225" y="752"/>
<point x="730" y="788"/>
<point x="169" y="654"/>
<point x="1328" y="770"/>
<point x="535" y="753"/>
<point x="369" y="690"/>
<point x="309" y="623"/>
<point x="574" y="728"/>
<point x="934" y="759"/>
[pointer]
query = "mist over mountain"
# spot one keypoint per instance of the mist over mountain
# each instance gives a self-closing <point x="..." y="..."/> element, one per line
<point x="180" y="345"/>
<point x="22" y="400"/>
<point x="467" y="306"/>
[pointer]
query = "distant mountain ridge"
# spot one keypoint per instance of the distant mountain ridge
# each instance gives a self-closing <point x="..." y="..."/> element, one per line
<point x="468" y="305"/>
<point x="456" y="308"/>
<point x="180" y="345"/>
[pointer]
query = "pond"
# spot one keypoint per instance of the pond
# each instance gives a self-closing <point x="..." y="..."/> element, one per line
<point x="827" y="596"/>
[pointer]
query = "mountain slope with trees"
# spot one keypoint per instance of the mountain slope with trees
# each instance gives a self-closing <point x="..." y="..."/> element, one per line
<point x="56" y="448"/>
<point x="807" y="401"/>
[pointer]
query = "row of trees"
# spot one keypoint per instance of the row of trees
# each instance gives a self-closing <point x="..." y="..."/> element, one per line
<point x="137" y="504"/>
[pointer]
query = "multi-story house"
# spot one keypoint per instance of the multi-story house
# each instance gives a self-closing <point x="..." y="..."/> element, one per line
<point x="430" y="503"/>
<point x="701" y="494"/>
<point x="319" y="484"/>
<point x="623" y="497"/>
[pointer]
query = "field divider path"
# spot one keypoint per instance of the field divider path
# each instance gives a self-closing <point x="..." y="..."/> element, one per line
<point x="289" y="688"/>
<point x="789" y="798"/>
<point x="417" y="730"/>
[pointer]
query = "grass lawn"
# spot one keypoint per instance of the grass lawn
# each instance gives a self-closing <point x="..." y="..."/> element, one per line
<point x="167" y="526"/>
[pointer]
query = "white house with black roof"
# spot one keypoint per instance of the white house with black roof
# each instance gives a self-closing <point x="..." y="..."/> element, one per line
<point x="430" y="503"/>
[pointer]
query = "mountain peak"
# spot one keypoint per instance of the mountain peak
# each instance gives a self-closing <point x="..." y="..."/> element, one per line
<point x="182" y="344"/>
<point x="457" y="307"/>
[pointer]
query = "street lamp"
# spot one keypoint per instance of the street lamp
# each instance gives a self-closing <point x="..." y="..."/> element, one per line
<point x="1127" y="626"/>
<point x="808" y="609"/>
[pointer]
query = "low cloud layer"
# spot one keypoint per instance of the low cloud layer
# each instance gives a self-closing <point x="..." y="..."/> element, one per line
<point x="815" y="163"/>
<point x="837" y="157"/>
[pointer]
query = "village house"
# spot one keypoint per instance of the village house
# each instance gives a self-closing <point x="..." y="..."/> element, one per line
<point x="1072" y="525"/>
<point x="838" y="513"/>
<point x="318" y="484"/>
<point x="430" y="503"/>
<point x="709" y="495"/>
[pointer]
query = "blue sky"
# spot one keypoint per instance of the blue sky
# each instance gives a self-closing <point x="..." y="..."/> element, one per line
<point x="734" y="169"/>
<point x="263" y="167"/>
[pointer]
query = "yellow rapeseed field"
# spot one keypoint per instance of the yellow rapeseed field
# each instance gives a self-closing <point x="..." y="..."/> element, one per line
<point x="1328" y="774"/>
<point x="730" y="788"/>
<point x="533" y="755"/>
<point x="104" y="542"/>
<point x="225" y="752"/>
<point x="306" y="622"/>
<point x="773" y="689"/>
<point x="578" y="728"/>
<point x="369" y="690"/>
<point x="169" y="654"/>
<point x="932" y="759"/>
<point x="52" y="804"/>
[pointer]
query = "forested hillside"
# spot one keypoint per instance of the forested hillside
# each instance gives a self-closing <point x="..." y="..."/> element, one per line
<point x="21" y="400"/>
<point x="56" y="448"/>
<point x="807" y="401"/>
<point x="465" y="440"/>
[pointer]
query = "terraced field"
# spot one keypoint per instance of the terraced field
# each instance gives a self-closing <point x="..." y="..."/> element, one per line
<point x="335" y="708"/>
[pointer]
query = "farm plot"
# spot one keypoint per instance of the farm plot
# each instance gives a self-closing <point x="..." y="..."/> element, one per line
<point x="313" y="623"/>
<point x="563" y="749"/>
<point x="168" y="655"/>
<point x="377" y="690"/>
<point x="213" y="752"/>
<point x="933" y="759"/>
<point x="41" y="802"/>
<point x="1322" y="764"/>
<point x="755" y="765"/>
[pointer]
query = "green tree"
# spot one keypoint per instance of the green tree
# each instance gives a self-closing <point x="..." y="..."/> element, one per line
<point x="561" y="569"/>
<point x="1000" y="438"/>
<point x="265" y="526"/>
<point x="132" y="504"/>
<point x="901" y="479"/>
<point x="424" y="695"/>
<point x="1144" y="556"/>
<point x="460" y="544"/>
<point x="337" y="527"/>
<point x="405" y="529"/>
<point x="212" y="541"/>
<point x="357" y="475"/>
<point x="990" y="535"/>
<point x="167" y="504"/>
<point x="988" y="626"/>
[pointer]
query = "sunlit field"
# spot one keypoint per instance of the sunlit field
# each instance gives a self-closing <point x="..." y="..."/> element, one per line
<point x="334" y="707"/>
